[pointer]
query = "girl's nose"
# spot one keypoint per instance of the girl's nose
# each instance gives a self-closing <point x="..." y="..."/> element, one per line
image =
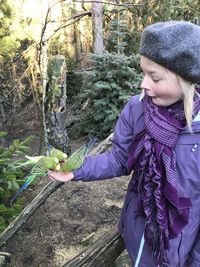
<point x="145" y="83"/>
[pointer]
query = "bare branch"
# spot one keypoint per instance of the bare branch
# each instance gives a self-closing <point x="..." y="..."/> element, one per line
<point x="74" y="19"/>
<point x="44" y="29"/>
<point x="114" y="4"/>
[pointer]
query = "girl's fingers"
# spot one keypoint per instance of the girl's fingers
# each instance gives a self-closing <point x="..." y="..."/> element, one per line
<point x="60" y="176"/>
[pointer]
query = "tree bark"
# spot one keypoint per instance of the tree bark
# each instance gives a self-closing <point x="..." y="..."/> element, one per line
<point x="2" y="112"/>
<point x="55" y="103"/>
<point x="97" y="23"/>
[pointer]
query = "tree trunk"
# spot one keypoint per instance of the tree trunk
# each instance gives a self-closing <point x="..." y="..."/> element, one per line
<point x="97" y="21"/>
<point x="55" y="103"/>
<point x="77" y="40"/>
<point x="69" y="31"/>
<point x="3" y="117"/>
<point x="43" y="68"/>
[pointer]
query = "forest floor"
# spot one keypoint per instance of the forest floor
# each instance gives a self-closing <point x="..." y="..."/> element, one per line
<point x="71" y="219"/>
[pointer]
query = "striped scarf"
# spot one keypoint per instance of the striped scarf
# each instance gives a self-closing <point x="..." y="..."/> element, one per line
<point x="162" y="200"/>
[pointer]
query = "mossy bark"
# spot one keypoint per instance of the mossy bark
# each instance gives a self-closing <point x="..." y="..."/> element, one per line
<point x="55" y="103"/>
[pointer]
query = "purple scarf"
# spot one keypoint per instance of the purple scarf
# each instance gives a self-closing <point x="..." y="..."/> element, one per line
<point x="163" y="201"/>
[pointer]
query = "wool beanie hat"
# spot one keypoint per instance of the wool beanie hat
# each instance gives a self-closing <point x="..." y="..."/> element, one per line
<point x="175" y="45"/>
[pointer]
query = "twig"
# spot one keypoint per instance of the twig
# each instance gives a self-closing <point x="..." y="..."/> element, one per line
<point x="75" y="18"/>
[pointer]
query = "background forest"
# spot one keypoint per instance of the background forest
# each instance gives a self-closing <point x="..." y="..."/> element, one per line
<point x="95" y="39"/>
<point x="68" y="67"/>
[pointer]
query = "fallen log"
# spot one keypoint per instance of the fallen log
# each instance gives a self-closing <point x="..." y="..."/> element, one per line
<point x="40" y="199"/>
<point x="103" y="146"/>
<point x="4" y="258"/>
<point x="100" y="254"/>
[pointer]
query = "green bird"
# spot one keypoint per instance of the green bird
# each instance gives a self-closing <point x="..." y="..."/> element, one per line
<point x="30" y="161"/>
<point x="77" y="158"/>
<point x="74" y="161"/>
<point x="40" y="169"/>
<point x="61" y="156"/>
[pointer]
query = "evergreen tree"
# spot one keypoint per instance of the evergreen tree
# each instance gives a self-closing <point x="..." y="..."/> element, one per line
<point x="106" y="89"/>
<point x="118" y="33"/>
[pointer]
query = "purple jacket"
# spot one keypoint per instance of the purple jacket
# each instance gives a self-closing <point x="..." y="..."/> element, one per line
<point x="185" y="248"/>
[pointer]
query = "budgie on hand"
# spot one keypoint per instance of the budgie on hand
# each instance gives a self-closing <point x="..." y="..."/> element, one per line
<point x="76" y="159"/>
<point x="40" y="169"/>
<point x="61" y="156"/>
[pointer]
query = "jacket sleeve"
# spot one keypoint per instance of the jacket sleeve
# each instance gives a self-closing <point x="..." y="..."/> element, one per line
<point x="113" y="163"/>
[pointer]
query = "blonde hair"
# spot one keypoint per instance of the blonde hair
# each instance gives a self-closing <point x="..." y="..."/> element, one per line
<point x="188" y="90"/>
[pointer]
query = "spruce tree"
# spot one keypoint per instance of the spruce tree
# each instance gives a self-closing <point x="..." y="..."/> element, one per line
<point x="106" y="89"/>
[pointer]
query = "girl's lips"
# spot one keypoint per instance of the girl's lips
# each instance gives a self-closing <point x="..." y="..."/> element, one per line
<point x="153" y="96"/>
<point x="147" y="93"/>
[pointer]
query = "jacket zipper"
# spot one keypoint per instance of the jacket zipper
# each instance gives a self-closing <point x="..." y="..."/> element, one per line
<point x="179" y="250"/>
<point x="194" y="147"/>
<point x="137" y="262"/>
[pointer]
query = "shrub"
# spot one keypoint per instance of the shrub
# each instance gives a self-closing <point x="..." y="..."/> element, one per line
<point x="10" y="178"/>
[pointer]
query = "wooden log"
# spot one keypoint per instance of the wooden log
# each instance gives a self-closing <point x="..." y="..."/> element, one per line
<point x="103" y="146"/>
<point x="5" y="258"/>
<point x="40" y="199"/>
<point x="100" y="254"/>
<point x="2" y="261"/>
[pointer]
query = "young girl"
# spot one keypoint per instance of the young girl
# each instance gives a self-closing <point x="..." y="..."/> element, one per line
<point x="158" y="136"/>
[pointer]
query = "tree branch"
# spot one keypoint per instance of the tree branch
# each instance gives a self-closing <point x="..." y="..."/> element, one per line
<point x="114" y="4"/>
<point x="74" y="18"/>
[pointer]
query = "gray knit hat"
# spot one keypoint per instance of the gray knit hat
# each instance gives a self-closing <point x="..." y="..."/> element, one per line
<point x="174" y="45"/>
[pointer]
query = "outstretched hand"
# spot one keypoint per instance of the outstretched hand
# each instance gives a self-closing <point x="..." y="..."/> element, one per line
<point x="60" y="176"/>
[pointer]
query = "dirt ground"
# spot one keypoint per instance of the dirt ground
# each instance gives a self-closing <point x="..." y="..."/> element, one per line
<point x="70" y="220"/>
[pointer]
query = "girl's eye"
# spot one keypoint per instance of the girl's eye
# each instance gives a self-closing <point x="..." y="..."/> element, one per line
<point x="155" y="80"/>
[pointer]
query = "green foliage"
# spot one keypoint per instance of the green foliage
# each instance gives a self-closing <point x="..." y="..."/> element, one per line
<point x="119" y="35"/>
<point x="106" y="89"/>
<point x="10" y="178"/>
<point x="74" y="84"/>
<point x="8" y="40"/>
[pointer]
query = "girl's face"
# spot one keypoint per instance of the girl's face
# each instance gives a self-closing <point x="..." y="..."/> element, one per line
<point x="159" y="83"/>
